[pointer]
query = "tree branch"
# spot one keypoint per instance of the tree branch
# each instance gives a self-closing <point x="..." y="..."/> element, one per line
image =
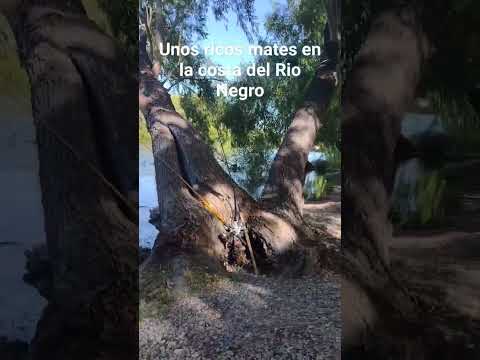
<point x="283" y="190"/>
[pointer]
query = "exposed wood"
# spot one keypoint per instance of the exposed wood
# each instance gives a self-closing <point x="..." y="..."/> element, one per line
<point x="185" y="218"/>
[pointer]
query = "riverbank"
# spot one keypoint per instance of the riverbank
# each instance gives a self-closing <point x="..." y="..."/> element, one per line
<point x="243" y="316"/>
<point x="247" y="317"/>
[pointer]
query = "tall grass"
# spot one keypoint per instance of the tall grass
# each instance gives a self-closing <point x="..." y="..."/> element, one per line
<point x="318" y="189"/>
<point x="144" y="138"/>
<point x="333" y="156"/>
<point x="430" y="201"/>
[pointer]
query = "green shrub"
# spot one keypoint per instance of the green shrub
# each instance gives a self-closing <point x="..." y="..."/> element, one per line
<point x="144" y="138"/>
<point x="332" y="155"/>
<point x="430" y="198"/>
<point x="317" y="190"/>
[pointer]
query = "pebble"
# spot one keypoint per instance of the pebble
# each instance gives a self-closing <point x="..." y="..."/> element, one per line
<point x="250" y="318"/>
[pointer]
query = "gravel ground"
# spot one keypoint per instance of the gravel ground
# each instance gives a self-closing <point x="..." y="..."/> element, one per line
<point x="249" y="318"/>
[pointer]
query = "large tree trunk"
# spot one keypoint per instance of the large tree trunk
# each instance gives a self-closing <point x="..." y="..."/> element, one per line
<point x="380" y="87"/>
<point x="201" y="209"/>
<point x="404" y="302"/>
<point x="86" y="124"/>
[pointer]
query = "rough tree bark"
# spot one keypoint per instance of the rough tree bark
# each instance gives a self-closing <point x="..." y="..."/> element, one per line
<point x="381" y="85"/>
<point x="198" y="200"/>
<point x="85" y="123"/>
<point x="401" y="300"/>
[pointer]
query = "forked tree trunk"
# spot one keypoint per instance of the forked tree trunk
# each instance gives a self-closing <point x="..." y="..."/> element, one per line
<point x="85" y="124"/>
<point x="200" y="206"/>
<point x="407" y="302"/>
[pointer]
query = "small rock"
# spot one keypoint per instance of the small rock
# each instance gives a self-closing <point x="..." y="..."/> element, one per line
<point x="179" y="352"/>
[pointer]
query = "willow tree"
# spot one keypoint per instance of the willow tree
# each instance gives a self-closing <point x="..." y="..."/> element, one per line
<point x="201" y="209"/>
<point x="258" y="125"/>
<point x="81" y="96"/>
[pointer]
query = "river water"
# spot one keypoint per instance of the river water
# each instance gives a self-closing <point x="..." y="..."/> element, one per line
<point x="147" y="197"/>
<point x="22" y="225"/>
<point x="148" y="194"/>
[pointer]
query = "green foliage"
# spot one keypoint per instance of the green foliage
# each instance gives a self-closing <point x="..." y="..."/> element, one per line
<point x="299" y="20"/>
<point x="332" y="155"/>
<point x="254" y="159"/>
<point x="144" y="138"/>
<point x="259" y="124"/>
<point x="460" y="120"/>
<point x="14" y="83"/>
<point x="205" y="116"/>
<point x="450" y="80"/>
<point x="318" y="189"/>
<point x="299" y="23"/>
<point x="431" y="194"/>
<point x="183" y="22"/>
<point x="330" y="133"/>
<point x="249" y="130"/>
<point x="177" y="103"/>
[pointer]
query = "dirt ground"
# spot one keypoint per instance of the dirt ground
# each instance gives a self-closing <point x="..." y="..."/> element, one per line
<point x="243" y="316"/>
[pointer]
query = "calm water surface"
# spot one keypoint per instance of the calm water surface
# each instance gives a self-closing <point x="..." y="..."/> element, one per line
<point x="148" y="194"/>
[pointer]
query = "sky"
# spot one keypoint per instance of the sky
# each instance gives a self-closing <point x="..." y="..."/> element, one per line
<point x="230" y="33"/>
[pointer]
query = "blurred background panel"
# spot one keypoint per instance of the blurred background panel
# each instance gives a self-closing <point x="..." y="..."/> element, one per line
<point x="411" y="150"/>
<point x="22" y="222"/>
<point x="68" y="179"/>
